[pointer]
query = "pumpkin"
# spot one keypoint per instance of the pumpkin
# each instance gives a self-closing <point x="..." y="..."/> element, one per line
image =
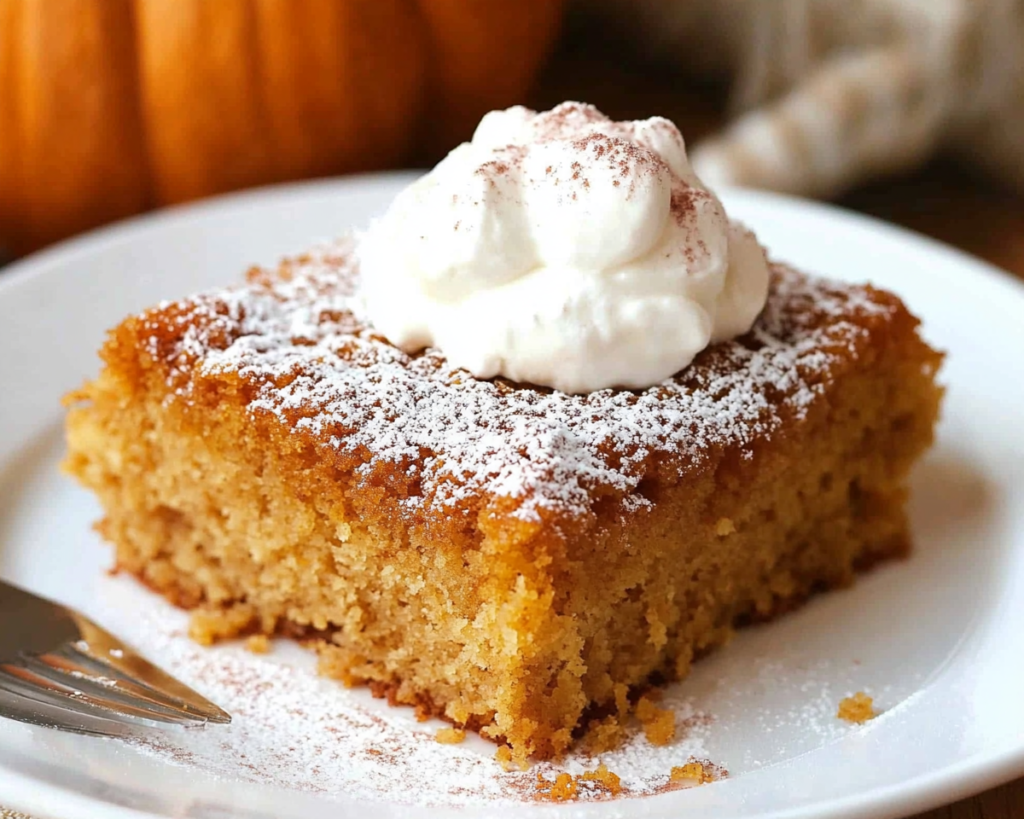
<point x="109" y="107"/>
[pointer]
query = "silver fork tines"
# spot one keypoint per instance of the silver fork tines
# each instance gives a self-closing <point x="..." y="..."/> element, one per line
<point x="60" y="669"/>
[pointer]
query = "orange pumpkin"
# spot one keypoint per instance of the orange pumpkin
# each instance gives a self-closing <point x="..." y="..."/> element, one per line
<point x="108" y="107"/>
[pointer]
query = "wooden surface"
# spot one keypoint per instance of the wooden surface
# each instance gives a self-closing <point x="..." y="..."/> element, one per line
<point x="940" y="200"/>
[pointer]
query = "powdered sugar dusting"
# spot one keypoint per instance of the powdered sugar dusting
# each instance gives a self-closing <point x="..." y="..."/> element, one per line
<point x="742" y="709"/>
<point x="297" y="338"/>
<point x="293" y="730"/>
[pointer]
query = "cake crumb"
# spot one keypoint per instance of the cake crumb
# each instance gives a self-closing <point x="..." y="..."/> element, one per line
<point x="563" y="789"/>
<point x="604" y="735"/>
<point x="208" y="626"/>
<point x="450" y="736"/>
<point x="258" y="644"/>
<point x="504" y="757"/>
<point x="337" y="664"/>
<point x="608" y="780"/>
<point x="659" y="724"/>
<point x="566" y="788"/>
<point x="622" y="700"/>
<point x="858" y="708"/>
<point x="691" y="772"/>
<point x="724" y="527"/>
<point x="422" y="712"/>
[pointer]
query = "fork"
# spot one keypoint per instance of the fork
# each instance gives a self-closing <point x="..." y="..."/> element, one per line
<point x="61" y="670"/>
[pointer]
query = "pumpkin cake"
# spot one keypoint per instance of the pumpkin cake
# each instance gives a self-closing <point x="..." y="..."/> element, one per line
<point x="503" y="555"/>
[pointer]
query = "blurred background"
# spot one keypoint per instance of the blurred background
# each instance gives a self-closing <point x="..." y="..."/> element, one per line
<point x="911" y="110"/>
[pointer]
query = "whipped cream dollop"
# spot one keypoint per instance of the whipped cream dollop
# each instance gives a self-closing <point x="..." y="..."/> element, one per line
<point x="563" y="249"/>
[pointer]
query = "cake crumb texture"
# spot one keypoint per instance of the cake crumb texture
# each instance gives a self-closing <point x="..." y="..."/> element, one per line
<point x="659" y="724"/>
<point x="692" y="772"/>
<point x="599" y="783"/>
<point x="563" y="788"/>
<point x="503" y="756"/>
<point x="858" y="708"/>
<point x="511" y="559"/>
<point x="607" y="779"/>
<point x="450" y="736"/>
<point x="258" y="643"/>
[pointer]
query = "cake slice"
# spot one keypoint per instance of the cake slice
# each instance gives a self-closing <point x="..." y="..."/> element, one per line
<point x="505" y="556"/>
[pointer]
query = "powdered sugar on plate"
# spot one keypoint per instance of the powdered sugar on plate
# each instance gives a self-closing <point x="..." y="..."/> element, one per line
<point x="293" y="730"/>
<point x="739" y="711"/>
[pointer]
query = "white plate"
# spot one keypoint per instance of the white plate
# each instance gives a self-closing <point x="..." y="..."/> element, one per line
<point x="936" y="639"/>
